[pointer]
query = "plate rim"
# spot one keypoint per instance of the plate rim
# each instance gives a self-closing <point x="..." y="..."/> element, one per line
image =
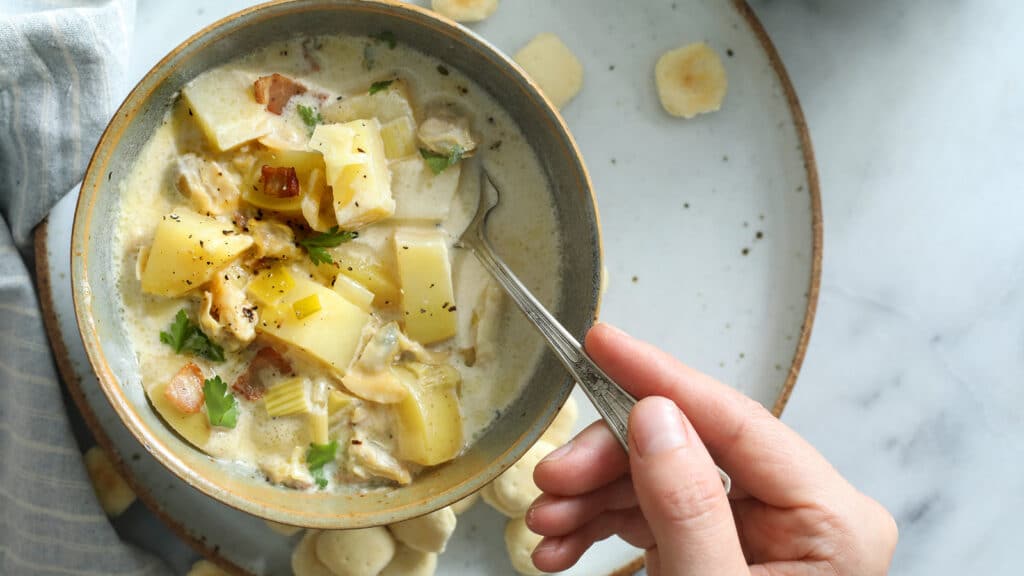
<point x="73" y="383"/>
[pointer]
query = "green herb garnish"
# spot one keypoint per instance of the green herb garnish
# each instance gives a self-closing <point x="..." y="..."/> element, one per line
<point x="387" y="37"/>
<point x="186" y="337"/>
<point x="310" y="116"/>
<point x="317" y="457"/>
<point x="316" y="245"/>
<point x="438" y="162"/>
<point x="378" y="86"/>
<point x="221" y="406"/>
<point x="320" y="477"/>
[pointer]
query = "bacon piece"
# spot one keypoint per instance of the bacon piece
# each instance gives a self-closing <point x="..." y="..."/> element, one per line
<point x="250" y="382"/>
<point x="279" y="181"/>
<point x="185" y="390"/>
<point x="275" y="91"/>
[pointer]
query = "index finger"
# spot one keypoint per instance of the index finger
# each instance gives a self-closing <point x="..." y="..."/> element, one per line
<point x="771" y="461"/>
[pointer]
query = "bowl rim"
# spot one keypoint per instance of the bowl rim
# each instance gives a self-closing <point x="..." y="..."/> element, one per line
<point x="137" y="100"/>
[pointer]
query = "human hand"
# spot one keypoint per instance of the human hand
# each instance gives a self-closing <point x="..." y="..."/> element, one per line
<point x="789" y="511"/>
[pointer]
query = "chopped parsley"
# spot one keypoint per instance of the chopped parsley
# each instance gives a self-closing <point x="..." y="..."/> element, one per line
<point x="316" y="245"/>
<point x="438" y="162"/>
<point x="378" y="86"/>
<point x="310" y="116"/>
<point x="221" y="406"/>
<point x="317" y="457"/>
<point x="387" y="37"/>
<point x="186" y="338"/>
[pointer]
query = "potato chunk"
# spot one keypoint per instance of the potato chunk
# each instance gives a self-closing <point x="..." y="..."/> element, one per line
<point x="192" y="427"/>
<point x="429" y="419"/>
<point x="399" y="137"/>
<point x="428" y="533"/>
<point x="188" y="249"/>
<point x="553" y="66"/>
<point x="419" y="193"/>
<point x="361" y="264"/>
<point x="428" y="302"/>
<point x="271" y="187"/>
<point x="362" y="552"/>
<point x="356" y="171"/>
<point x="354" y="292"/>
<point x="222" y="102"/>
<point x="331" y="334"/>
<point x="386" y="105"/>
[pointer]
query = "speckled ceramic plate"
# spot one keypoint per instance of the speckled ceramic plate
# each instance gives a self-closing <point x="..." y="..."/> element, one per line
<point x="712" y="233"/>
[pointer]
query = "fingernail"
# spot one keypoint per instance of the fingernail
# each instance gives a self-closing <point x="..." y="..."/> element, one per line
<point x="657" y="426"/>
<point x="558" y="454"/>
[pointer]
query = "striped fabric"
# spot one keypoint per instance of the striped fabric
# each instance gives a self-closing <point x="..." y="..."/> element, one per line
<point x="61" y="68"/>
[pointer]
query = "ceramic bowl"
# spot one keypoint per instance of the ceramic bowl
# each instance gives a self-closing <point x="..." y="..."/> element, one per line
<point x="93" y="259"/>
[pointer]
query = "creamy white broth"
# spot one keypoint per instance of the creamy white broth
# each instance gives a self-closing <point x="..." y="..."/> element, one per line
<point x="523" y="230"/>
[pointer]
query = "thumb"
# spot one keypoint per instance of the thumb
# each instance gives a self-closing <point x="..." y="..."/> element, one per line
<point x="681" y="494"/>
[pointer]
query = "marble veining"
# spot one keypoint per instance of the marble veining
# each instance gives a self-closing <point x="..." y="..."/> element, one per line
<point x="915" y="372"/>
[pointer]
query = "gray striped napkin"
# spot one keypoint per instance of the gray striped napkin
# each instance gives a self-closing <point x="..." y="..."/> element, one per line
<point x="62" y="65"/>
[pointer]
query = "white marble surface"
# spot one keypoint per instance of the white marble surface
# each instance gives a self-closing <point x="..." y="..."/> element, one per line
<point x="915" y="373"/>
<point x="916" y="364"/>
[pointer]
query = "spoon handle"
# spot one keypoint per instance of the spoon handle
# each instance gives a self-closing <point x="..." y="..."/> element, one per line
<point x="611" y="401"/>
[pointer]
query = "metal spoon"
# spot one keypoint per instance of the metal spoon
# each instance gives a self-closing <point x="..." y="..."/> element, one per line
<point x="611" y="401"/>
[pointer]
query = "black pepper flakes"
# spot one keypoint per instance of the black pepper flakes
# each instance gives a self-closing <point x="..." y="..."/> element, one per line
<point x="442" y="70"/>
